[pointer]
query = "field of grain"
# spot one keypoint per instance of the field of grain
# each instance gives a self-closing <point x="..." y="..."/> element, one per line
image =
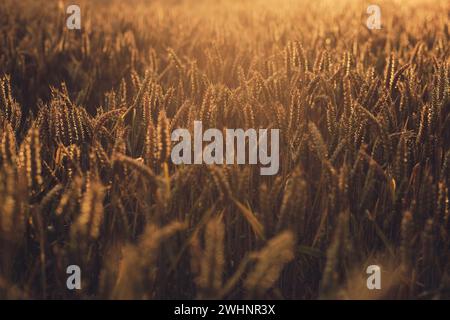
<point x="85" y="171"/>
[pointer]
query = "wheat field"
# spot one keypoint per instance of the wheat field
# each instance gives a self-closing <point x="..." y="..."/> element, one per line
<point x="85" y="171"/>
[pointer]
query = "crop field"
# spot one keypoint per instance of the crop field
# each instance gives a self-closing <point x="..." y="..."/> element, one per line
<point x="87" y="176"/>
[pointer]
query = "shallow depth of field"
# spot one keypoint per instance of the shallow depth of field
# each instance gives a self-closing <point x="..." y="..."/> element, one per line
<point x="86" y="177"/>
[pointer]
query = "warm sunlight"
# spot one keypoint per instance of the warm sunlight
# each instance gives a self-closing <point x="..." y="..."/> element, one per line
<point x="258" y="151"/>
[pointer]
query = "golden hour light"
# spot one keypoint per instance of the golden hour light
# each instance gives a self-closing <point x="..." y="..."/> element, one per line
<point x="252" y="151"/>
